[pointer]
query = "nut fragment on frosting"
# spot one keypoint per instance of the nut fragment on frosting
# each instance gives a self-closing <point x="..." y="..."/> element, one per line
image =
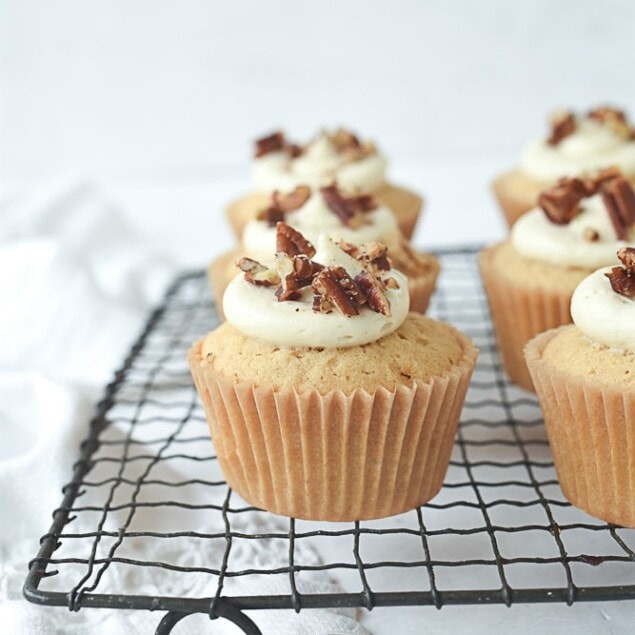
<point x="339" y="154"/>
<point x="579" y="222"/>
<point x="322" y="298"/>
<point x="603" y="304"/>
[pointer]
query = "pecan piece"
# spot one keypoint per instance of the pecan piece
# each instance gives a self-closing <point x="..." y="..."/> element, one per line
<point x="373" y="289"/>
<point x="622" y="279"/>
<point x="338" y="288"/>
<point x="295" y="273"/>
<point x="561" y="203"/>
<point x="373" y="256"/>
<point x="274" y="142"/>
<point x="257" y="273"/>
<point x="614" y="119"/>
<point x="592" y="183"/>
<point x="282" y="204"/>
<point x="348" y="209"/>
<point x="292" y="242"/>
<point x="562" y="125"/>
<point x="619" y="200"/>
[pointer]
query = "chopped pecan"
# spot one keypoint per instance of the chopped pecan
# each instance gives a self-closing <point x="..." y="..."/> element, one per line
<point x="348" y="209"/>
<point x="292" y="242"/>
<point x="619" y="199"/>
<point x="257" y="273"/>
<point x="282" y="204"/>
<point x="561" y="203"/>
<point x="373" y="256"/>
<point x="274" y="142"/>
<point x="591" y="235"/>
<point x="373" y="289"/>
<point x="622" y="279"/>
<point x="337" y="287"/>
<point x="349" y="146"/>
<point x="295" y="272"/>
<point x="562" y="125"/>
<point x="614" y="119"/>
<point x="391" y="283"/>
<point x="592" y="183"/>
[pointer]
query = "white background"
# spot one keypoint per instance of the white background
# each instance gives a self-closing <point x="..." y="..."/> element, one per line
<point x="158" y="101"/>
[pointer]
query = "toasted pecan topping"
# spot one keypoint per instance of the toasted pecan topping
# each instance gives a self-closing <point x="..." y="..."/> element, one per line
<point x="622" y="278"/>
<point x="335" y="286"/>
<point x="292" y="242"/>
<point x="257" y="273"/>
<point x="276" y="142"/>
<point x="619" y="199"/>
<point x="590" y="235"/>
<point x="349" y="209"/>
<point x="391" y="283"/>
<point x="271" y="143"/>
<point x="374" y="291"/>
<point x="561" y="203"/>
<point x="373" y="256"/>
<point x="295" y="272"/>
<point x="282" y="204"/>
<point x="614" y="119"/>
<point x="592" y="183"/>
<point x="562" y="125"/>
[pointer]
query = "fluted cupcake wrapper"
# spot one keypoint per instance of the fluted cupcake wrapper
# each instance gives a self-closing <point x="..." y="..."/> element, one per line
<point x="333" y="457"/>
<point x="519" y="313"/>
<point x="591" y="430"/>
<point x="516" y="195"/>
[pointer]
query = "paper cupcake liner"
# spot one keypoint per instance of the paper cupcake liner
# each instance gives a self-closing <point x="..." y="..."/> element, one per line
<point x="591" y="432"/>
<point x="333" y="457"/>
<point x="516" y="195"/>
<point x="421" y="286"/>
<point x="518" y="313"/>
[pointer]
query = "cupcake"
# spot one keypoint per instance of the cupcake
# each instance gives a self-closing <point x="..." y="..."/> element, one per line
<point x="326" y="398"/>
<point x="340" y="155"/>
<point x="584" y="376"/>
<point x="576" y="145"/>
<point x="529" y="279"/>
<point x="351" y="218"/>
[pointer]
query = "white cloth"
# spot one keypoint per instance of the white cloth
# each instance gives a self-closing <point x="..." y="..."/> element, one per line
<point x="75" y="288"/>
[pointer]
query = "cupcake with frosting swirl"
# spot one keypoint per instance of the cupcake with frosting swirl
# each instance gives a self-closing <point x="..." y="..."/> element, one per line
<point x="339" y="155"/>
<point x="584" y="376"/>
<point x="326" y="397"/>
<point x="529" y="279"/>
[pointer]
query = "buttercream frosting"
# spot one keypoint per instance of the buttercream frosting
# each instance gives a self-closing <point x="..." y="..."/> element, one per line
<point x="256" y="312"/>
<point x="379" y="224"/>
<point x="319" y="164"/>
<point x="590" y="147"/>
<point x="535" y="236"/>
<point x="602" y="314"/>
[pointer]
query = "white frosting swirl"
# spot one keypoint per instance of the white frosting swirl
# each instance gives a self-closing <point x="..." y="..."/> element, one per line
<point x="319" y="164"/>
<point x="590" y="147"/>
<point x="603" y="315"/>
<point x="259" y="239"/>
<point x="535" y="236"/>
<point x="255" y="311"/>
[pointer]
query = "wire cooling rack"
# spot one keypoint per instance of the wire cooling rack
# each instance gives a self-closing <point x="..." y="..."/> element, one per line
<point x="148" y="510"/>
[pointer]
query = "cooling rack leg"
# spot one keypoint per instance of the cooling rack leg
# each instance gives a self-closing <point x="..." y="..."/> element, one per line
<point x="227" y="611"/>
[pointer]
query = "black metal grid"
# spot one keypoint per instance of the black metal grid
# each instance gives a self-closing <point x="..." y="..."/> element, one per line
<point x="147" y="490"/>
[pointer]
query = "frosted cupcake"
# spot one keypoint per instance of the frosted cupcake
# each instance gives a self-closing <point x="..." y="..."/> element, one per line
<point x="529" y="279"/>
<point x="351" y="218"/>
<point x="356" y="165"/>
<point x="326" y="398"/>
<point x="584" y="376"/>
<point x="575" y="146"/>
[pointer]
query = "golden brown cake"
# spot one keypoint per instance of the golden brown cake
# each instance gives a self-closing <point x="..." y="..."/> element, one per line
<point x="575" y="146"/>
<point x="586" y="388"/>
<point x="529" y="279"/>
<point x="332" y="156"/>
<point x="333" y="403"/>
